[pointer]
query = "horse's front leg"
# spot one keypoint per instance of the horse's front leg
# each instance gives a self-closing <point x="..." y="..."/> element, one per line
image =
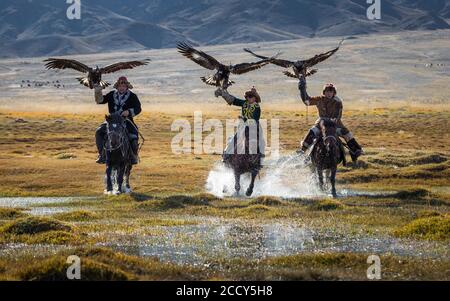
<point x="127" y="178"/>
<point x="237" y="182"/>
<point x="320" y="177"/>
<point x="109" y="186"/>
<point x="333" y="181"/>
<point x="120" y="174"/>
<point x="252" y="183"/>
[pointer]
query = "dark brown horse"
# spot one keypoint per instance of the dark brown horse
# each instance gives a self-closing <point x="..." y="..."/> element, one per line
<point x="118" y="155"/>
<point x="248" y="161"/>
<point x="327" y="153"/>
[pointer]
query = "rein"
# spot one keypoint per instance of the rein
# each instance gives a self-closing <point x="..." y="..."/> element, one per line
<point x="122" y="138"/>
<point x="139" y="132"/>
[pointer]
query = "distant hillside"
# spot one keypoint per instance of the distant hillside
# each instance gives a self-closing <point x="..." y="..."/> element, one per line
<point x="38" y="28"/>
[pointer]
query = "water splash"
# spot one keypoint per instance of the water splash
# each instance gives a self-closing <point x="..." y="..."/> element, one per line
<point x="287" y="177"/>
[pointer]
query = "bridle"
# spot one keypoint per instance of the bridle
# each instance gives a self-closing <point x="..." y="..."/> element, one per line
<point x="330" y="136"/>
<point x="109" y="134"/>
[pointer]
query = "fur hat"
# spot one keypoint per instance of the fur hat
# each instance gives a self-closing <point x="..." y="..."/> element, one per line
<point x="329" y="86"/>
<point x="253" y="93"/>
<point x="123" y="80"/>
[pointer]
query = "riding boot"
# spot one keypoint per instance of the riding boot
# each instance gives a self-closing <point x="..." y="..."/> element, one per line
<point x="306" y="143"/>
<point x="99" y="141"/>
<point x="355" y="149"/>
<point x="134" y="152"/>
<point x="226" y="157"/>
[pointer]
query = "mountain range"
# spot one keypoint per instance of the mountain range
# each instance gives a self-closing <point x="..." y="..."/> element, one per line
<point x="30" y="28"/>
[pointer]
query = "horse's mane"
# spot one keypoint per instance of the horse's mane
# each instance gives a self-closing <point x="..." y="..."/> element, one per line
<point x="114" y="117"/>
<point x="328" y="123"/>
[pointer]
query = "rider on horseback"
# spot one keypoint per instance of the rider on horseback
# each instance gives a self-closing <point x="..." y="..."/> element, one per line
<point x="329" y="106"/>
<point x="122" y="101"/>
<point x="251" y="112"/>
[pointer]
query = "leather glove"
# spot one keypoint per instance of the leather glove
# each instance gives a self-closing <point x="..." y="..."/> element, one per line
<point x="98" y="95"/>
<point x="302" y="83"/>
<point x="218" y="92"/>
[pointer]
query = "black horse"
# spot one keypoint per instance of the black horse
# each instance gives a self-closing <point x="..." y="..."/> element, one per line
<point x="118" y="154"/>
<point x="327" y="153"/>
<point x="245" y="161"/>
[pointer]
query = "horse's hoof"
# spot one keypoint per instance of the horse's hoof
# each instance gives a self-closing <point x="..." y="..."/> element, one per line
<point x="117" y="192"/>
<point x="108" y="192"/>
<point x="128" y="190"/>
<point x="249" y="192"/>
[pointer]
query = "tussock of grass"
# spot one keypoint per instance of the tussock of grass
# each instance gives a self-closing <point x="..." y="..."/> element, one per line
<point x="77" y="216"/>
<point x="259" y="211"/>
<point x="50" y="237"/>
<point x="429" y="159"/>
<point x="33" y="225"/>
<point x="196" y="200"/>
<point x="267" y="201"/>
<point x="326" y="205"/>
<point x="431" y="228"/>
<point x="11" y="213"/>
<point x="390" y="159"/>
<point x="177" y="202"/>
<point x="104" y="264"/>
<point x="167" y="222"/>
<point x="340" y="266"/>
<point x="159" y="205"/>
<point x="426" y="171"/>
<point x="55" y="269"/>
<point x="65" y="156"/>
<point x="428" y="213"/>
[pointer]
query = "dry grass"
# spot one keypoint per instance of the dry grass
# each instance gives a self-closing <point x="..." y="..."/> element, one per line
<point x="405" y="146"/>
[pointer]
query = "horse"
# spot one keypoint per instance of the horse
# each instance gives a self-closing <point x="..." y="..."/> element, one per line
<point x="118" y="154"/>
<point x="246" y="161"/>
<point x="327" y="153"/>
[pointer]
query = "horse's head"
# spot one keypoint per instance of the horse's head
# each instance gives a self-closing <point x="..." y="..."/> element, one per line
<point x="115" y="130"/>
<point x="328" y="129"/>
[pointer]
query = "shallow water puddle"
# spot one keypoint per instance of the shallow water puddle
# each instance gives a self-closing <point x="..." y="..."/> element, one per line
<point x="29" y="202"/>
<point x="196" y="244"/>
<point x="200" y="244"/>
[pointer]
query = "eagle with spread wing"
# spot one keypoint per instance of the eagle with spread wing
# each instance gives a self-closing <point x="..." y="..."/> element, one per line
<point x="94" y="75"/>
<point x="300" y="67"/>
<point x="222" y="76"/>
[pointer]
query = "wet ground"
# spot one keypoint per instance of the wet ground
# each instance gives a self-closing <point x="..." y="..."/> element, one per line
<point x="209" y="239"/>
<point x="224" y="239"/>
<point x="36" y="205"/>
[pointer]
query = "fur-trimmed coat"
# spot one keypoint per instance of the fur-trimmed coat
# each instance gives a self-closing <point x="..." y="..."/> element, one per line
<point x="119" y="103"/>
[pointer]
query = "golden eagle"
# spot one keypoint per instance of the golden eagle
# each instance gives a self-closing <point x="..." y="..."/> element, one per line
<point x="222" y="77"/>
<point x="300" y="67"/>
<point x="94" y="75"/>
